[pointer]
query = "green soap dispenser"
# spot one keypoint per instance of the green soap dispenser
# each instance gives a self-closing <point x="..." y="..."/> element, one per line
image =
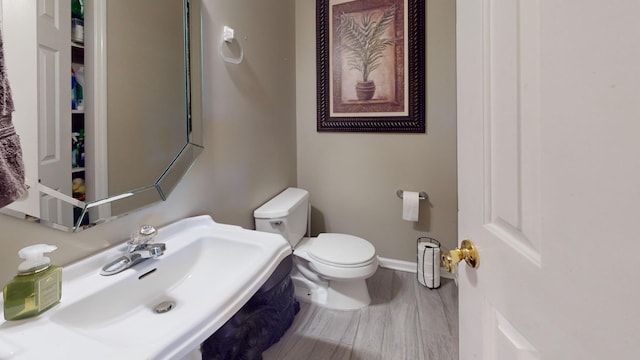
<point x="36" y="288"/>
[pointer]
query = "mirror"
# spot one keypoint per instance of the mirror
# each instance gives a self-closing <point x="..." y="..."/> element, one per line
<point x="135" y="123"/>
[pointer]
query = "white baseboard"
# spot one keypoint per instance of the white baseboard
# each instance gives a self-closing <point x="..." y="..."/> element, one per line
<point x="407" y="266"/>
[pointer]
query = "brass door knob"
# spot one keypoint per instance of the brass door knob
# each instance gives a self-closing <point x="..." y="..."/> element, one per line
<point x="466" y="251"/>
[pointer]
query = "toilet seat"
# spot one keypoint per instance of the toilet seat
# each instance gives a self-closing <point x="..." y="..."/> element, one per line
<point x="342" y="250"/>
<point x="338" y="256"/>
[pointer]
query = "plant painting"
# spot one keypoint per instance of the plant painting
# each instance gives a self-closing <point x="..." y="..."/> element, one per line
<point x="370" y="65"/>
<point x="363" y="43"/>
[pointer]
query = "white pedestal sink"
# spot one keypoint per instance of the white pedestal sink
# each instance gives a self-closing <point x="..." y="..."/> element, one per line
<point x="206" y="274"/>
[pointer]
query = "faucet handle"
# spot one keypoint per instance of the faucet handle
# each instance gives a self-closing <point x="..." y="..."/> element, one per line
<point x="147" y="230"/>
<point x="141" y="237"/>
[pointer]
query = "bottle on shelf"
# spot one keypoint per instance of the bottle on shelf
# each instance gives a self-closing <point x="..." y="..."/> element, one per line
<point x="81" y="148"/>
<point x="77" y="21"/>
<point x="74" y="149"/>
<point x="80" y="88"/>
<point x="74" y="84"/>
<point x="77" y="9"/>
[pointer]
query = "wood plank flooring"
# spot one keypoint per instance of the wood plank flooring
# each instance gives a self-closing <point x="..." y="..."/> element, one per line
<point x="404" y="321"/>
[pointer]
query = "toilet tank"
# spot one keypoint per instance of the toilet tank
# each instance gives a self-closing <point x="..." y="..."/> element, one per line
<point x="285" y="214"/>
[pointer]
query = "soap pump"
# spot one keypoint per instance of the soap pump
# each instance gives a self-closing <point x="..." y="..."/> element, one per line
<point x="36" y="288"/>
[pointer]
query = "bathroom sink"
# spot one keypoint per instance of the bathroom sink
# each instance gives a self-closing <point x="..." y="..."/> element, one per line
<point x="159" y="309"/>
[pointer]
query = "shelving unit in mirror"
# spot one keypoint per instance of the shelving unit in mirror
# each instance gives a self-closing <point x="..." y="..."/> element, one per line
<point x="78" y="92"/>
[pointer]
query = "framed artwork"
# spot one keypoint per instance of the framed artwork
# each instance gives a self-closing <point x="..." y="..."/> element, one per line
<point x="371" y="65"/>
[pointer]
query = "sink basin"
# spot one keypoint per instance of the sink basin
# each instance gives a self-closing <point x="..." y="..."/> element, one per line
<point x="159" y="309"/>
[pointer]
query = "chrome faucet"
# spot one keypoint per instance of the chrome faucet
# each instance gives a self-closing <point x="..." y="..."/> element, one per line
<point x="139" y="249"/>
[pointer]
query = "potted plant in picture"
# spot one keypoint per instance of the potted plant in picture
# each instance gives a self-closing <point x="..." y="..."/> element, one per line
<point x="363" y="43"/>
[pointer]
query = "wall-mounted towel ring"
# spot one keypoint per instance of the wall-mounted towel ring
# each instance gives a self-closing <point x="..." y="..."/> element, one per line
<point x="228" y="37"/>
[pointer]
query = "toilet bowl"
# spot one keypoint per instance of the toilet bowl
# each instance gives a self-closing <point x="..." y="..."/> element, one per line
<point x="328" y="256"/>
<point x="330" y="269"/>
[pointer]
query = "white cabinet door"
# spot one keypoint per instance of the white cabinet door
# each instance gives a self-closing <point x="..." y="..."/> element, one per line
<point x="54" y="107"/>
<point x="549" y="178"/>
<point x="37" y="50"/>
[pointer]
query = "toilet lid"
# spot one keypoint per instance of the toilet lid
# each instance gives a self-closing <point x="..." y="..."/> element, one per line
<point x="342" y="250"/>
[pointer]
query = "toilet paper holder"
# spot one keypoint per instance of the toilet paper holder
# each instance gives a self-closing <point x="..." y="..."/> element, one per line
<point x="421" y="195"/>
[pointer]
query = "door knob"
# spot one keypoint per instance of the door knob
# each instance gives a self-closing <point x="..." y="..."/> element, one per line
<point x="467" y="252"/>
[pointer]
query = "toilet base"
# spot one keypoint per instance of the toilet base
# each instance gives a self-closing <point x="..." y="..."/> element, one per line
<point x="348" y="295"/>
<point x="337" y="295"/>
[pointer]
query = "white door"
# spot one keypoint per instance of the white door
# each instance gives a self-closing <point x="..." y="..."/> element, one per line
<point x="549" y="178"/>
<point x="54" y="108"/>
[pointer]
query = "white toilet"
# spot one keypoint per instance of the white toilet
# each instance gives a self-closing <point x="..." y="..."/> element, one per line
<point x="331" y="269"/>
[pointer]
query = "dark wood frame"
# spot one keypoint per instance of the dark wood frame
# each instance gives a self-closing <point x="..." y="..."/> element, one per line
<point x="414" y="122"/>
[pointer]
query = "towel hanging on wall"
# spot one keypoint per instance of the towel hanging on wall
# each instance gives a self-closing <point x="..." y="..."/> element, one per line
<point x="11" y="165"/>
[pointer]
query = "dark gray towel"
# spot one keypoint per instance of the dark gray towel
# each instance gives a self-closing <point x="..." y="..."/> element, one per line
<point x="11" y="166"/>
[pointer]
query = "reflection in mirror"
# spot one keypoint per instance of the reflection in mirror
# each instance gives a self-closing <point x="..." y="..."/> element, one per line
<point x="134" y="126"/>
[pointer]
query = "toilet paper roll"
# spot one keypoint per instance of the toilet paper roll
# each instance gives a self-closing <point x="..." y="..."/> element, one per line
<point x="410" y="205"/>
<point x="429" y="265"/>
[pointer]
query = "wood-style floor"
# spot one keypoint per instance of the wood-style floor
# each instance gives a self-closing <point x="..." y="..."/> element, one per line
<point x="404" y="321"/>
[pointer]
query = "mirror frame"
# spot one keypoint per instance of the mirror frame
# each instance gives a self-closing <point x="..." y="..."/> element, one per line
<point x="179" y="165"/>
<point x="186" y="156"/>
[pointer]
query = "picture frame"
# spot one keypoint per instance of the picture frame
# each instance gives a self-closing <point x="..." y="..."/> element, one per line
<point x="377" y="85"/>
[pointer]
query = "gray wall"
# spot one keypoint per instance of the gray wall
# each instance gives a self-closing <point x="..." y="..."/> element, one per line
<point x="353" y="178"/>
<point x="249" y="137"/>
<point x="251" y="124"/>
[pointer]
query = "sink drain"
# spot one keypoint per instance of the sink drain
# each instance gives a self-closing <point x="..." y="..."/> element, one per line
<point x="164" y="307"/>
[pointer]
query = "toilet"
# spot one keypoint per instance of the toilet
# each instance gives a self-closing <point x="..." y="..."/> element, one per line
<point x="330" y="269"/>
